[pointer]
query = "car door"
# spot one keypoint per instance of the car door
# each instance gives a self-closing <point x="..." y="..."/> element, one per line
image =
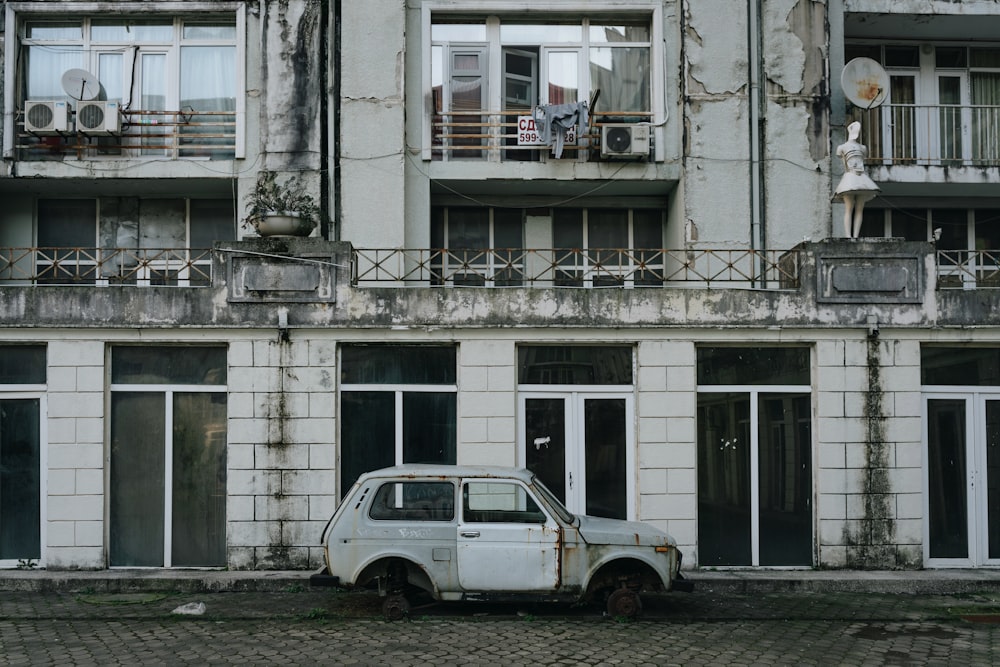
<point x="506" y="541"/>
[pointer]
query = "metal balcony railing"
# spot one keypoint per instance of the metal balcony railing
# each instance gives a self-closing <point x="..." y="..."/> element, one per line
<point x="968" y="269"/>
<point x="932" y="135"/>
<point x="587" y="268"/>
<point x="180" y="267"/>
<point x="157" y="134"/>
<point x="508" y="135"/>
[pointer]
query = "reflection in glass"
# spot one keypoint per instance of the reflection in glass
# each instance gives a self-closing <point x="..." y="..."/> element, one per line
<point x="20" y="479"/>
<point x="545" y="442"/>
<point x="604" y="447"/>
<point x="960" y="366"/>
<point x="947" y="479"/>
<point x="429" y="424"/>
<point x="574" y="364"/>
<point x="753" y="365"/>
<point x="168" y="365"/>
<point x="22" y="364"/>
<point x="136" y="490"/>
<point x="993" y="478"/>
<point x="199" y="480"/>
<point x="724" y="479"/>
<point x="563" y="77"/>
<point x="622" y="75"/>
<point x="397" y="364"/>
<point x="785" y="466"/>
<point x="367" y="434"/>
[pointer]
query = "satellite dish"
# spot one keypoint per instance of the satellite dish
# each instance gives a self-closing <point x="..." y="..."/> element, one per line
<point x="865" y="83"/>
<point x="80" y="84"/>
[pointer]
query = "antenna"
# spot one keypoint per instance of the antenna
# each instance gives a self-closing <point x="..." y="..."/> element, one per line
<point x="80" y="84"/>
<point x="865" y="83"/>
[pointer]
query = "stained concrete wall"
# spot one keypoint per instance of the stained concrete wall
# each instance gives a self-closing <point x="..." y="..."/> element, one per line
<point x="788" y="170"/>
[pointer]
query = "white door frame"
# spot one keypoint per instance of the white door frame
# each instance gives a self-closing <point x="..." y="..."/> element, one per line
<point x="976" y="484"/>
<point x="574" y="397"/>
<point x="43" y="462"/>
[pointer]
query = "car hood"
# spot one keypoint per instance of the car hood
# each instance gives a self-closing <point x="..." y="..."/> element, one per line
<point x="597" y="530"/>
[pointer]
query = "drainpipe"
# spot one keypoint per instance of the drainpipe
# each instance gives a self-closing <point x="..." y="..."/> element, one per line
<point x="758" y="230"/>
<point x="331" y="159"/>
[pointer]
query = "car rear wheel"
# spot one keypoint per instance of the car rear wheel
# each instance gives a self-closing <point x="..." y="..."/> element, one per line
<point x="395" y="607"/>
<point x="624" y="602"/>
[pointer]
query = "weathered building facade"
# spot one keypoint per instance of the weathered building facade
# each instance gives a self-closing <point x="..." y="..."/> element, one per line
<point x="662" y="321"/>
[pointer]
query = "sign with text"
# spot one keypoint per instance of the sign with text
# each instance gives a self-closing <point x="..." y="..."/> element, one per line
<point x="527" y="135"/>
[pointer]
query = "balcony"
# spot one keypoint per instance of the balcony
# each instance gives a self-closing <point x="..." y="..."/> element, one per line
<point x="138" y="134"/>
<point x="179" y="267"/>
<point x="509" y="135"/>
<point x="932" y="135"/>
<point x="575" y="268"/>
<point x="496" y="268"/>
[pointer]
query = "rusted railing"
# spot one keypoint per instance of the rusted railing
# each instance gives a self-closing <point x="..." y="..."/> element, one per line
<point x="181" y="267"/>
<point x="968" y="269"/>
<point x="509" y="134"/>
<point x="612" y="267"/>
<point x="932" y="135"/>
<point x="171" y="134"/>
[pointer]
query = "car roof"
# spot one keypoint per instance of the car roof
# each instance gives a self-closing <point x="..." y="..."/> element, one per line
<point x="429" y="470"/>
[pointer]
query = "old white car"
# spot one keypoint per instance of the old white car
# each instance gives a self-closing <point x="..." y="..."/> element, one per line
<point x="489" y="533"/>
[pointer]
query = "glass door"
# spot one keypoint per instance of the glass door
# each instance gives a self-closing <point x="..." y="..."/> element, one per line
<point x="963" y="480"/>
<point x="580" y="445"/>
<point x="952" y="118"/>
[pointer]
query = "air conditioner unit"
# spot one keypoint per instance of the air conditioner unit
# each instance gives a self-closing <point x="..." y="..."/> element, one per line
<point x="624" y="140"/>
<point x="97" y="117"/>
<point x="48" y="117"/>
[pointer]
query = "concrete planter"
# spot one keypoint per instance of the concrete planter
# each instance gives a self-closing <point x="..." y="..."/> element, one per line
<point x="284" y="223"/>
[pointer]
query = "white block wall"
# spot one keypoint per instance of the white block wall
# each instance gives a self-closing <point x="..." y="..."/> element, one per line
<point x="74" y="507"/>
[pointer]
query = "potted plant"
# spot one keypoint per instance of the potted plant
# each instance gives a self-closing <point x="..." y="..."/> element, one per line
<point x="280" y="210"/>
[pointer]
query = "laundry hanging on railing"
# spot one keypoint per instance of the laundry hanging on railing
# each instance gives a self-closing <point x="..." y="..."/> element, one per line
<point x="553" y="120"/>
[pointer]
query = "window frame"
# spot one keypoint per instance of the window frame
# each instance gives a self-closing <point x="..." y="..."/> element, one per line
<point x="599" y="10"/>
<point x="19" y="14"/>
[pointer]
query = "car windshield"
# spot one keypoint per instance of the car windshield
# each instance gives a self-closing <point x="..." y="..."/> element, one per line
<point x="552" y="501"/>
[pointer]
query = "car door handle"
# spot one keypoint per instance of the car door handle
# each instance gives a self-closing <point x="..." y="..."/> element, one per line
<point x="470" y="533"/>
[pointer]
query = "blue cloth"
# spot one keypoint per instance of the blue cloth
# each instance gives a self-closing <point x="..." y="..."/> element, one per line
<point x="552" y="121"/>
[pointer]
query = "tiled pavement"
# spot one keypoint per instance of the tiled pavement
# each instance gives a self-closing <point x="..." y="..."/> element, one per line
<point x="728" y="620"/>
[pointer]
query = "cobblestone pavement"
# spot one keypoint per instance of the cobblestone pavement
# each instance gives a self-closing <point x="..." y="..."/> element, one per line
<point x="331" y="627"/>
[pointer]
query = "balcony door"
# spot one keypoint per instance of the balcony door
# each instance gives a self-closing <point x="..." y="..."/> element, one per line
<point x="962" y="474"/>
<point x="951" y="121"/>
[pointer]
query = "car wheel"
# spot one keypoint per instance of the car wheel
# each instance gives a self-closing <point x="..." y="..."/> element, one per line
<point x="624" y="602"/>
<point x="395" y="607"/>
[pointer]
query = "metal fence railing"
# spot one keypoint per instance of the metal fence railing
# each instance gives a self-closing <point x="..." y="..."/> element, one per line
<point x="968" y="269"/>
<point x="180" y="267"/>
<point x="568" y="267"/>
<point x="932" y="135"/>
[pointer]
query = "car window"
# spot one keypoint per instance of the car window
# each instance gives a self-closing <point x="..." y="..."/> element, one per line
<point x="414" y="501"/>
<point x="499" y="502"/>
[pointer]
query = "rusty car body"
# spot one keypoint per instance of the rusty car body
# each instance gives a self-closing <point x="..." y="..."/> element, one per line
<point x="489" y="533"/>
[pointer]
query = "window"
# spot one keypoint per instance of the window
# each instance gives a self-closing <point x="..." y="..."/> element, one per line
<point x="943" y="104"/>
<point x="754" y="423"/>
<point x="167" y="489"/>
<point x="569" y="247"/>
<point x="22" y="372"/>
<point x="537" y="61"/>
<point x="619" y="247"/>
<point x="67" y="237"/>
<point x="479" y="246"/>
<point x="414" y="501"/>
<point x="176" y="80"/>
<point x="397" y="405"/>
<point x="149" y="241"/>
<point x="499" y="502"/>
